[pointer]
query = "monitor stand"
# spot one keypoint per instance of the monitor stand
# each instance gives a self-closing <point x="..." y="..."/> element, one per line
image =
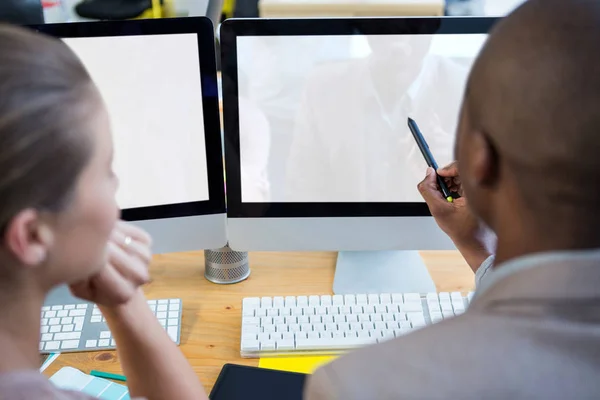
<point x="381" y="272"/>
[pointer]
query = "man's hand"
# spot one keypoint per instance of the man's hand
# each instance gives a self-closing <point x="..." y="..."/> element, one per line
<point x="126" y="270"/>
<point x="456" y="219"/>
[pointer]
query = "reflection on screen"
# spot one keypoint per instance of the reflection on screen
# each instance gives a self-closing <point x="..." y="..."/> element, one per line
<point x="151" y="86"/>
<point x="335" y="109"/>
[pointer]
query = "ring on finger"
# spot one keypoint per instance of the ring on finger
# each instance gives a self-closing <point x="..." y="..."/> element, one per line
<point x="128" y="240"/>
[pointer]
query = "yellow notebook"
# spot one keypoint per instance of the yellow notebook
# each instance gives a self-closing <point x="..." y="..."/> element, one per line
<point x="304" y="364"/>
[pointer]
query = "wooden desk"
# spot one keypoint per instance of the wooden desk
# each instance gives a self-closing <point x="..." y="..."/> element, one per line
<point x="212" y="313"/>
<point x="349" y="8"/>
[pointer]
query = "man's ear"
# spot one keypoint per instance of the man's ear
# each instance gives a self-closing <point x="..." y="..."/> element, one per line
<point x="27" y="238"/>
<point x="484" y="160"/>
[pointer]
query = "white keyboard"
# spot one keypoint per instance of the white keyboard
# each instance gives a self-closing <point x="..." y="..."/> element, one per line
<point x="81" y="326"/>
<point x="273" y="326"/>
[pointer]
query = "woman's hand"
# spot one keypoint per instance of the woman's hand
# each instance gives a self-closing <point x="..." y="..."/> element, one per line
<point x="129" y="255"/>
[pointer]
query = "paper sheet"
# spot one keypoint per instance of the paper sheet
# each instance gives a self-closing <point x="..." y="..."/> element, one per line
<point x="72" y="379"/>
<point x="304" y="364"/>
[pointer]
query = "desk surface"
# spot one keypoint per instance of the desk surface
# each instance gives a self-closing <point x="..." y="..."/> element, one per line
<point x="212" y="313"/>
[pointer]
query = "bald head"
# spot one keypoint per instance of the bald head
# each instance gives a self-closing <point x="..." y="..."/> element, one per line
<point x="535" y="92"/>
<point x="529" y="137"/>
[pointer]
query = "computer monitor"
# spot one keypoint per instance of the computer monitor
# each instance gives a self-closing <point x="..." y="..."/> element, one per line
<point x="318" y="152"/>
<point x="158" y="80"/>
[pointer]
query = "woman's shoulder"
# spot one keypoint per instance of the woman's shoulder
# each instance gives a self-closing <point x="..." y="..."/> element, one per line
<point x="24" y="385"/>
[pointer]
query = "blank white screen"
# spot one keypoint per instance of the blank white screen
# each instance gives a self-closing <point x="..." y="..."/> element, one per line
<point x="151" y="86"/>
<point x="336" y="111"/>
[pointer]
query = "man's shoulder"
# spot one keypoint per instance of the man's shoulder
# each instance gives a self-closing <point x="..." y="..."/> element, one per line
<point x="422" y="362"/>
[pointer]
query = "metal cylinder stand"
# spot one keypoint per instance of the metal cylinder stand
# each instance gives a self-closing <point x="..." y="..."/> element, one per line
<point x="226" y="266"/>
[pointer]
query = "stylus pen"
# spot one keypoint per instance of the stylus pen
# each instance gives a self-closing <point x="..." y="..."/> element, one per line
<point x="108" y="375"/>
<point x="424" y="147"/>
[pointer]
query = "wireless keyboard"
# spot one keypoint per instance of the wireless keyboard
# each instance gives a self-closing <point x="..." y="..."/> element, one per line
<point x="274" y="326"/>
<point x="81" y="326"/>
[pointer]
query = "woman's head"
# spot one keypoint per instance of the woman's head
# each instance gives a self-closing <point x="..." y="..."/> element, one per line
<point x="57" y="189"/>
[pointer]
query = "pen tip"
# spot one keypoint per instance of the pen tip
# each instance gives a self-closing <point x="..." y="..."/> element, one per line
<point x="450" y="199"/>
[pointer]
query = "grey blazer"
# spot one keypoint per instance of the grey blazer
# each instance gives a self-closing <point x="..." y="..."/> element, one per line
<point x="533" y="333"/>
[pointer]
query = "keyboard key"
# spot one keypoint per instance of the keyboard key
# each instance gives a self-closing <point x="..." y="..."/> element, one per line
<point x="361" y="299"/>
<point x="91" y="343"/>
<point x="66" y="321"/>
<point x="47" y="337"/>
<point x="55" y="329"/>
<point x="278" y="302"/>
<point x="285" y="345"/>
<point x="44" y="321"/>
<point x="52" y="346"/>
<point x="302" y="301"/>
<point x="314" y="301"/>
<point x="81" y="306"/>
<point x="338" y="300"/>
<point x="290" y="301"/>
<point x="412" y="297"/>
<point x="77" y="313"/>
<point x="113" y="343"/>
<point x="68" y="328"/>
<point x="70" y="307"/>
<point x="250" y="345"/>
<point x="54" y="321"/>
<point x="105" y="335"/>
<point x="45" y="308"/>
<point x="151" y="302"/>
<point x="50" y="314"/>
<point x="162" y="307"/>
<point x="444" y="296"/>
<point x="161" y="315"/>
<point x="103" y="343"/>
<point x="96" y="311"/>
<point x="45" y="329"/>
<point x="373" y="299"/>
<point x="266" y="302"/>
<point x="56" y="308"/>
<point x="69" y="344"/>
<point x="78" y="323"/>
<point x="349" y="300"/>
<point x="326" y="300"/>
<point x="67" y="336"/>
<point x="173" y="332"/>
<point x="62" y="313"/>
<point x="173" y="314"/>
<point x="172" y="321"/>
<point x="174" y="307"/>
<point x="385" y="298"/>
<point x="95" y="319"/>
<point x="163" y="301"/>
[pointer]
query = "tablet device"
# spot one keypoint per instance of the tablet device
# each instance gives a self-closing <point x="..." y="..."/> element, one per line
<point x="238" y="382"/>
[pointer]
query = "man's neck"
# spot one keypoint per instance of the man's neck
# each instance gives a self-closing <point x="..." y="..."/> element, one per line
<point x="19" y="328"/>
<point x="513" y="245"/>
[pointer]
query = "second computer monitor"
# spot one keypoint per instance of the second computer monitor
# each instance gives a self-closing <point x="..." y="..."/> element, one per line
<point x="319" y="154"/>
<point x="158" y="81"/>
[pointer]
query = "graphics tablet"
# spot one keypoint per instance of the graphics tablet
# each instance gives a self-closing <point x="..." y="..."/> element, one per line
<point x="237" y="382"/>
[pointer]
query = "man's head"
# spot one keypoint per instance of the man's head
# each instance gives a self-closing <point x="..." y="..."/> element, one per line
<point x="528" y="141"/>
